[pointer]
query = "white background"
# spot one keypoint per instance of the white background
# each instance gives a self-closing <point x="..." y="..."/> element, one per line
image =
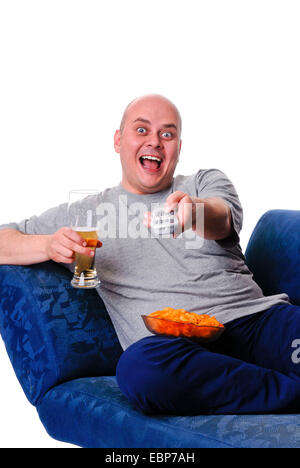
<point x="68" y="69"/>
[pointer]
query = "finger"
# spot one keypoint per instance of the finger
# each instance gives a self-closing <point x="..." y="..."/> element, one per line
<point x="64" y="251"/>
<point x="85" y="251"/>
<point x="62" y="259"/>
<point x="147" y="219"/>
<point x="66" y="260"/>
<point x="179" y="230"/>
<point x="74" y="247"/>
<point x="78" y="245"/>
<point x="72" y="235"/>
<point x="173" y="200"/>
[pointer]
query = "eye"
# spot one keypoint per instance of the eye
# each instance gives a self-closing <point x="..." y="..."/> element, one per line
<point x="141" y="130"/>
<point x="167" y="134"/>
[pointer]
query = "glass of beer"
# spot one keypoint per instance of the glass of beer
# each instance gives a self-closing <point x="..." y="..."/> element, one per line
<point x="82" y="219"/>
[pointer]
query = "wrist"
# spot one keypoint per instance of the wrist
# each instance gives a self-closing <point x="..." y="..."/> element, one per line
<point x="46" y="245"/>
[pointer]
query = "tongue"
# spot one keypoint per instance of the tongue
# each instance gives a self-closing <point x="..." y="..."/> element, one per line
<point x="150" y="164"/>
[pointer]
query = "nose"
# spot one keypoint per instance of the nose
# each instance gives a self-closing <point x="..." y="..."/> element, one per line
<point x="154" y="141"/>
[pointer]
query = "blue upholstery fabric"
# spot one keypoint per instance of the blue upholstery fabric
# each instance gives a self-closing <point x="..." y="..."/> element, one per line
<point x="64" y="351"/>
<point x="273" y="253"/>
<point x="92" y="412"/>
<point x="52" y="331"/>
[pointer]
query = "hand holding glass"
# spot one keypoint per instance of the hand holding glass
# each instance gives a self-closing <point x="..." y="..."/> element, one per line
<point x="82" y="219"/>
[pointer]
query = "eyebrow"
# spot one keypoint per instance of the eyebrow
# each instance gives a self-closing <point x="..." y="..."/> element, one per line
<point x="140" y="119"/>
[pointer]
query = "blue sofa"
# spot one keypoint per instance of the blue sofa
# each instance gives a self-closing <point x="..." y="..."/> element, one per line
<point x="64" y="351"/>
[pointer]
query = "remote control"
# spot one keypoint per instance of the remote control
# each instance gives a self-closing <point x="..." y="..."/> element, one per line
<point x="163" y="223"/>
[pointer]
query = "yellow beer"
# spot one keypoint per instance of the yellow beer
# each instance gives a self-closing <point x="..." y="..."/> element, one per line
<point x="85" y="273"/>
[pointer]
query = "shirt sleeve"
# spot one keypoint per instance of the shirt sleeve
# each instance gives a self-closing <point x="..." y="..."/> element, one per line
<point x="46" y="223"/>
<point x="214" y="183"/>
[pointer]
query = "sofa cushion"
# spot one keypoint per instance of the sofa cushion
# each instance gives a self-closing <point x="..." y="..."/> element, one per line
<point x="273" y="253"/>
<point x="92" y="412"/>
<point x="52" y="331"/>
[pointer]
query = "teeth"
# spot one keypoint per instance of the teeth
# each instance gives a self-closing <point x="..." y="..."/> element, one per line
<point x="153" y="158"/>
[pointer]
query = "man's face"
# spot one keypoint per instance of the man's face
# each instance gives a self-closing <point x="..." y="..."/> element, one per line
<point x="149" y="145"/>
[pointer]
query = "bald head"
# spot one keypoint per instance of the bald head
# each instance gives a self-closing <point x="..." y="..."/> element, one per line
<point x="150" y="126"/>
<point x="153" y="100"/>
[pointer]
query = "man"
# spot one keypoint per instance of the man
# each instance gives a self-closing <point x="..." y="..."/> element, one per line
<point x="249" y="369"/>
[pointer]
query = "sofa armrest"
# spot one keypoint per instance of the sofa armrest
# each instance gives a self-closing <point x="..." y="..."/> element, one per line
<point x="53" y="332"/>
<point x="273" y="253"/>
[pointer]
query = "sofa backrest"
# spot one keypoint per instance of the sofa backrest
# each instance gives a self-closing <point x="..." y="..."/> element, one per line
<point x="273" y="253"/>
<point x="53" y="332"/>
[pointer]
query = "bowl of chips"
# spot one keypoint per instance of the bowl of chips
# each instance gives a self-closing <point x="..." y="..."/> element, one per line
<point x="179" y="322"/>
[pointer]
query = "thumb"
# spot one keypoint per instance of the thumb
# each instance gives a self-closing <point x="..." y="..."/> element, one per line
<point x="173" y="200"/>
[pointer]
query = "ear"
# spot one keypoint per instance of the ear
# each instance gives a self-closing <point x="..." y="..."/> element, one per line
<point x="117" y="141"/>
<point x="180" y="146"/>
<point x="179" y="149"/>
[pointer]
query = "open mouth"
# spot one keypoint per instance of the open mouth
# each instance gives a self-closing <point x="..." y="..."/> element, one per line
<point x="150" y="163"/>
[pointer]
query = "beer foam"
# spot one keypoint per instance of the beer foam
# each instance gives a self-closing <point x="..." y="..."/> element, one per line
<point x="84" y="229"/>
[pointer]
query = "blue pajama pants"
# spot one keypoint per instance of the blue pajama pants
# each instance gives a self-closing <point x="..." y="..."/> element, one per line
<point x="253" y="368"/>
